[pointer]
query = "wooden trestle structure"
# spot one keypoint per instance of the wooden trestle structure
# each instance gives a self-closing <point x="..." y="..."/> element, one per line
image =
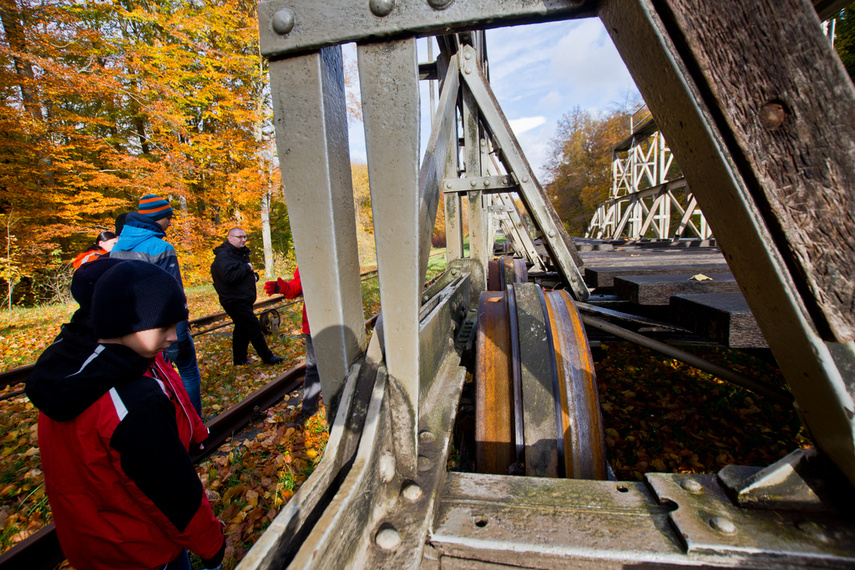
<point x="757" y="110"/>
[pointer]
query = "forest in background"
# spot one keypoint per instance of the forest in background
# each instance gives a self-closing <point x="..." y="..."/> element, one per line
<point x="103" y="102"/>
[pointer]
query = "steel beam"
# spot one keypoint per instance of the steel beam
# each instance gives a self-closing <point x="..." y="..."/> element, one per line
<point x="554" y="234"/>
<point x="388" y="75"/>
<point x="692" y="102"/>
<point x="294" y="26"/>
<point x="311" y="141"/>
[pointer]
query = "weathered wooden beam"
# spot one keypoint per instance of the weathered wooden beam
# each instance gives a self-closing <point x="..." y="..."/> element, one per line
<point x="758" y="110"/>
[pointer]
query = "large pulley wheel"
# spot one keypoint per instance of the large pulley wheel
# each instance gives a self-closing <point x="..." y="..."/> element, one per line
<point x="504" y="271"/>
<point x="537" y="404"/>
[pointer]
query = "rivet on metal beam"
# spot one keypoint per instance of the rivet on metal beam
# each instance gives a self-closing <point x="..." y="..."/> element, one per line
<point x="525" y="179"/>
<point x="691" y="486"/>
<point x="283" y="21"/>
<point x="412" y="492"/>
<point x="473" y="184"/>
<point x="486" y="182"/>
<point x="772" y="115"/>
<point x="440" y="4"/>
<point x="387" y="467"/>
<point x="427" y="438"/>
<point x="467" y="55"/>
<point x="723" y="525"/>
<point x="468" y="70"/>
<point x="551" y="233"/>
<point x="388" y="539"/>
<point x="425" y="463"/>
<point x="381" y="8"/>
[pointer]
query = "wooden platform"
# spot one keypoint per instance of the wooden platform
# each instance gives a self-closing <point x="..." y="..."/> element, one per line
<point x="658" y="289"/>
<point x="657" y="276"/>
<point x="724" y="317"/>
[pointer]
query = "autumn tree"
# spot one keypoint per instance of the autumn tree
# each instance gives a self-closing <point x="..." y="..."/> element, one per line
<point x="579" y="168"/>
<point x="844" y="41"/>
<point x="103" y="102"/>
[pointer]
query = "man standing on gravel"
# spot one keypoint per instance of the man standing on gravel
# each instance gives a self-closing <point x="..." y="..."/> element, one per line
<point x="234" y="280"/>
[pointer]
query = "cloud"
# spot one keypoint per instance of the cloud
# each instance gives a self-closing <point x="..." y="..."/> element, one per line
<point x="524" y="124"/>
<point x="586" y="62"/>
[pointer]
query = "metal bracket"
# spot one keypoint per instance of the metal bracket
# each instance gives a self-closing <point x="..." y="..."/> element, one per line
<point x="791" y="483"/>
<point x="485" y="184"/>
<point x="710" y="525"/>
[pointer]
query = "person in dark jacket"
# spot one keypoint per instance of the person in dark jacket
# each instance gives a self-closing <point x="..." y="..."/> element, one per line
<point x="142" y="237"/>
<point x="122" y="488"/>
<point x="234" y="280"/>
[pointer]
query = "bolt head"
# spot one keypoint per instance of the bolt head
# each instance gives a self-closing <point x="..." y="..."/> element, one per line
<point x="283" y="22"/>
<point x="388" y="539"/>
<point x="412" y="492"/>
<point x="772" y="115"/>
<point x="439" y="4"/>
<point x="427" y="438"/>
<point x="381" y="8"/>
<point x="424" y="463"/>
<point x="722" y="524"/>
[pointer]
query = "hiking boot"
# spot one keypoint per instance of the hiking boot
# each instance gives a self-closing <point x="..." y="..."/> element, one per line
<point x="274" y="360"/>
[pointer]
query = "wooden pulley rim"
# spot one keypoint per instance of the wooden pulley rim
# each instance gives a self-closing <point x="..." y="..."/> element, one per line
<point x="583" y="438"/>
<point x="494" y="438"/>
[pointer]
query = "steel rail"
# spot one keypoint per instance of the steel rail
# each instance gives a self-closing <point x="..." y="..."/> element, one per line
<point x="732" y="376"/>
<point x="41" y="551"/>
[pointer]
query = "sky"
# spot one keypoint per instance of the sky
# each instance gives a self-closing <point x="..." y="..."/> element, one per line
<point x="539" y="73"/>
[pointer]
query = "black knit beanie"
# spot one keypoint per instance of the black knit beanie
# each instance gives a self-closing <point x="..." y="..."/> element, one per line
<point x="84" y="279"/>
<point x="136" y="296"/>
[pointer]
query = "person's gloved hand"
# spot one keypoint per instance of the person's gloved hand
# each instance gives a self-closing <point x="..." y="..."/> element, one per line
<point x="274" y="286"/>
<point x="218" y="557"/>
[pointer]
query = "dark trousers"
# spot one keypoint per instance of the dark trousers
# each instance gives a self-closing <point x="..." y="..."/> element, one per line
<point x="247" y="330"/>
<point x="312" y="382"/>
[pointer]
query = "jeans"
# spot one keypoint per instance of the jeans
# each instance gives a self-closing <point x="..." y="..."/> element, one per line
<point x="312" y="382"/>
<point x="183" y="353"/>
<point x="180" y="563"/>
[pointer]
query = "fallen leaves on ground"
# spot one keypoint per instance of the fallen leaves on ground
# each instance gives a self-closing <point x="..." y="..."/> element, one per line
<point x="663" y="415"/>
<point x="249" y="479"/>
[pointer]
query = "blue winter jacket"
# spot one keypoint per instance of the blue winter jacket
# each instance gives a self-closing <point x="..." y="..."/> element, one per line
<point x="142" y="239"/>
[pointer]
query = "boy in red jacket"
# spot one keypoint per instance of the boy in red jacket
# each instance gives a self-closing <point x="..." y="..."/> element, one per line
<point x="114" y="435"/>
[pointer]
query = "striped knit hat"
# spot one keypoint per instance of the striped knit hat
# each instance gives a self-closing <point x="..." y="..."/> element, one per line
<point x="155" y="207"/>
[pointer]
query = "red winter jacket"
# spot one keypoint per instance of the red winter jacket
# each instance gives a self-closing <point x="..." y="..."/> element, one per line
<point x="87" y="256"/>
<point x="292" y="289"/>
<point x="122" y="488"/>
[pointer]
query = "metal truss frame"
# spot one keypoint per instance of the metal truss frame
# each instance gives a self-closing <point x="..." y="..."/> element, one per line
<point x="641" y="198"/>
<point x="382" y="497"/>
